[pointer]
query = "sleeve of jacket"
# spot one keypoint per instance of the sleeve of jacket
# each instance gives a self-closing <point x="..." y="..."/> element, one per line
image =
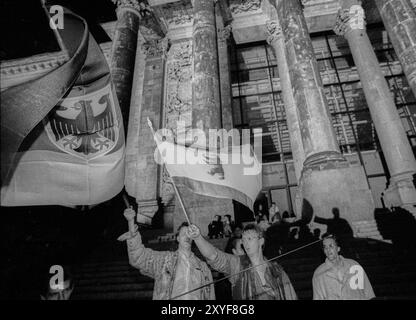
<point x="224" y="262"/>
<point x="318" y="291"/>
<point x="290" y="293"/>
<point x="368" y="289"/>
<point x="149" y="262"/>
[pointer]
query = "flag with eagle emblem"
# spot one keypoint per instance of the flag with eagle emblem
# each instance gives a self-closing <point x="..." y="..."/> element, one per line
<point x="75" y="154"/>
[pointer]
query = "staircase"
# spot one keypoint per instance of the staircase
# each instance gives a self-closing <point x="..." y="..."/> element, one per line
<point x="391" y="271"/>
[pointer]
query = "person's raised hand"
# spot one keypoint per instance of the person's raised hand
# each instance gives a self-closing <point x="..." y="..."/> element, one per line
<point x="193" y="231"/>
<point x="129" y="214"/>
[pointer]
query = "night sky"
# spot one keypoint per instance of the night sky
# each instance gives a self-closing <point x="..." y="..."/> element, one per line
<point x="25" y="28"/>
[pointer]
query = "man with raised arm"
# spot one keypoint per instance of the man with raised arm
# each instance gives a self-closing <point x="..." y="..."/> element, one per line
<point x="175" y="272"/>
<point x="265" y="281"/>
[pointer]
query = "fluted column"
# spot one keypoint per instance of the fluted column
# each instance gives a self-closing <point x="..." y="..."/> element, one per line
<point x="206" y="112"/>
<point x="223" y="43"/>
<point x="394" y="143"/>
<point x="328" y="181"/>
<point x="276" y="40"/>
<point x="399" y="18"/>
<point x="123" y="52"/>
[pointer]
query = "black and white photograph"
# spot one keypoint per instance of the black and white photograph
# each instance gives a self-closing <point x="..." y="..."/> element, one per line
<point x="208" y="153"/>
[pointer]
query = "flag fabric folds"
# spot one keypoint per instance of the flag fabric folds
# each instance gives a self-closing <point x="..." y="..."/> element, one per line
<point x="231" y="173"/>
<point x="68" y="128"/>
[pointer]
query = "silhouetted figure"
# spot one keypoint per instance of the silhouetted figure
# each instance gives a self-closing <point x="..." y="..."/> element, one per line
<point x="317" y="234"/>
<point x="399" y="226"/>
<point x="337" y="226"/>
<point x="305" y="234"/>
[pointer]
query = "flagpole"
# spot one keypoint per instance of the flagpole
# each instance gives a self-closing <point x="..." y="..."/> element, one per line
<point x="173" y="182"/>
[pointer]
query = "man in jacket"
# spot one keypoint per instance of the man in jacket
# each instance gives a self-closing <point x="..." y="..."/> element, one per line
<point x="266" y="281"/>
<point x="339" y="278"/>
<point x="175" y="272"/>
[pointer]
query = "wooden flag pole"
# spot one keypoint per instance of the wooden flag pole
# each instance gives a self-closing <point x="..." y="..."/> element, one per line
<point x="173" y="182"/>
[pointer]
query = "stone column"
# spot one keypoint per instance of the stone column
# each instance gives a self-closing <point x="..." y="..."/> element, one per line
<point x="142" y="171"/>
<point x="328" y="181"/>
<point x="124" y="51"/>
<point x="206" y="110"/>
<point x="394" y="143"/>
<point x="223" y="43"/>
<point x="399" y="18"/>
<point x="275" y="39"/>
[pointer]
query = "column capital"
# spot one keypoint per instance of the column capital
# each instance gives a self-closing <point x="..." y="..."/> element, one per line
<point x="224" y="33"/>
<point x="139" y="7"/>
<point x="274" y="31"/>
<point x="350" y="19"/>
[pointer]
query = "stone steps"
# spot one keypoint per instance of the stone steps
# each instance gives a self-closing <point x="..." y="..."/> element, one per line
<point x="392" y="274"/>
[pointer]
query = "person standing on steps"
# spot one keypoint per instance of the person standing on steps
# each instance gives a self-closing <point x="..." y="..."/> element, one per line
<point x="174" y="272"/>
<point x="267" y="281"/>
<point x="339" y="278"/>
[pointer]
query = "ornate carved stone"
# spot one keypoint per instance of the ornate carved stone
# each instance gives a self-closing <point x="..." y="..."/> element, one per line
<point x="178" y="100"/>
<point x="274" y="31"/>
<point x="141" y="7"/>
<point x="242" y="6"/>
<point x="224" y="33"/>
<point x="177" y="13"/>
<point x="350" y="19"/>
<point x="168" y="192"/>
<point x="156" y="48"/>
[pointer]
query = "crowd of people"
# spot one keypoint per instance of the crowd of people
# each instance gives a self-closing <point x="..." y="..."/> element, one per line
<point x="181" y="275"/>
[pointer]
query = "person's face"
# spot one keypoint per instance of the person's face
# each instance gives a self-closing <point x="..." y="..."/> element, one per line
<point x="252" y="242"/>
<point x="238" y="250"/>
<point x="184" y="240"/>
<point x="237" y="232"/>
<point x="331" y="249"/>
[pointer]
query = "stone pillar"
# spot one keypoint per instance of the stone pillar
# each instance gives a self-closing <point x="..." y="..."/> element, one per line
<point x="206" y="111"/>
<point x="275" y="39"/>
<point x="223" y="43"/>
<point x="328" y="181"/>
<point x="124" y="51"/>
<point x="394" y="143"/>
<point x="143" y="170"/>
<point x="399" y="18"/>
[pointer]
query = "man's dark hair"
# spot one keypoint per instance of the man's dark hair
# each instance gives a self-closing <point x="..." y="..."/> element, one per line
<point x="254" y="227"/>
<point x="330" y="236"/>
<point x="183" y="224"/>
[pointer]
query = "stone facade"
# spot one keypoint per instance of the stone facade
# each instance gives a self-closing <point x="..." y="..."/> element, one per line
<point x="170" y="62"/>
